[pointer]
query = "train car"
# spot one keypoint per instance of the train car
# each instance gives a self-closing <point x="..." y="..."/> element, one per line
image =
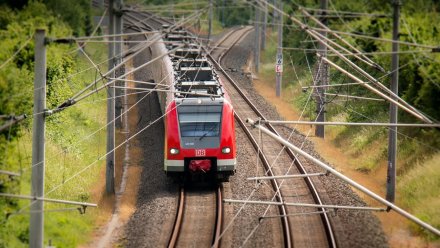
<point x="199" y="118"/>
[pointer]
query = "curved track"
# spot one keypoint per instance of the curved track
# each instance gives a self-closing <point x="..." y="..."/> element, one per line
<point x="300" y="228"/>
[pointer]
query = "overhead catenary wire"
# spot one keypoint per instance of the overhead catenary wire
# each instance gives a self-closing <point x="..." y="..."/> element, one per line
<point x="398" y="132"/>
<point x="90" y="38"/>
<point x="355" y="97"/>
<point x="10" y="173"/>
<point x="12" y="121"/>
<point x="398" y="103"/>
<point x="379" y="39"/>
<point x="35" y="198"/>
<point x="168" y="90"/>
<point x="343" y="12"/>
<point x="77" y="97"/>
<point x="351" y="123"/>
<point x="114" y="149"/>
<point x="413" y="54"/>
<point x="311" y="50"/>
<point x="146" y="90"/>
<point x="277" y="191"/>
<point x="107" y="123"/>
<point x="17" y="52"/>
<point x="95" y="30"/>
<point x="412" y="110"/>
<point x="258" y="185"/>
<point x="348" y="180"/>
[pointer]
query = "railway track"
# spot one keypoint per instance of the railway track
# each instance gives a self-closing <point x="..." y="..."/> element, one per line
<point x="199" y="218"/>
<point x="196" y="223"/>
<point x="222" y="46"/>
<point x="143" y="20"/>
<point x="302" y="227"/>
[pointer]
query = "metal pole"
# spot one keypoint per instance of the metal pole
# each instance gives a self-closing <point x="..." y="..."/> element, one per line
<point x="274" y="14"/>
<point x="345" y="178"/>
<point x="218" y="10"/>
<point x="263" y="30"/>
<point x="117" y="11"/>
<point x="322" y="76"/>
<point x="223" y="13"/>
<point x="36" y="228"/>
<point x="392" y="135"/>
<point x="210" y="21"/>
<point x="110" y="158"/>
<point x="257" y="40"/>
<point x="279" y="64"/>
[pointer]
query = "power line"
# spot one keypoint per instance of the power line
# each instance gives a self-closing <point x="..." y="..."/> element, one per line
<point x="12" y="121"/>
<point x="379" y="39"/>
<point x="346" y="12"/>
<point x="18" y="51"/>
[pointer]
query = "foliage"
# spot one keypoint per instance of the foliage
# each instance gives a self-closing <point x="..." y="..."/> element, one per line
<point x="76" y="13"/>
<point x="419" y="78"/>
<point x="17" y="25"/>
<point x="425" y="202"/>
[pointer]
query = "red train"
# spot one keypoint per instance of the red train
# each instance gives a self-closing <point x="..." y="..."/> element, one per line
<point x="199" y="118"/>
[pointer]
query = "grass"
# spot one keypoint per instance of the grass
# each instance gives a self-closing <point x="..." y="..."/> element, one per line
<point x="66" y="155"/>
<point x="419" y="191"/>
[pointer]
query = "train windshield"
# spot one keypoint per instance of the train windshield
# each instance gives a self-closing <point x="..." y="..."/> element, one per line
<point x="200" y="121"/>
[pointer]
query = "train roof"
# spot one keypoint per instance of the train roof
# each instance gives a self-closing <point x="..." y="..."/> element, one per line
<point x="194" y="75"/>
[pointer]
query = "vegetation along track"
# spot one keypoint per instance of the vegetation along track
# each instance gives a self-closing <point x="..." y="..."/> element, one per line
<point x="198" y="219"/>
<point x="302" y="227"/>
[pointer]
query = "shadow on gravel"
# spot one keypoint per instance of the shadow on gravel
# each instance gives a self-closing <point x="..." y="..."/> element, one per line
<point x="157" y="195"/>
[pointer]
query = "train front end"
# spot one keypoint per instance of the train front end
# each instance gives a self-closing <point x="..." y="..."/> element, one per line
<point x="200" y="138"/>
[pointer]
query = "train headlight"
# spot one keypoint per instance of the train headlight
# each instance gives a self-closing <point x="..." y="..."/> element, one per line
<point x="174" y="151"/>
<point x="226" y="150"/>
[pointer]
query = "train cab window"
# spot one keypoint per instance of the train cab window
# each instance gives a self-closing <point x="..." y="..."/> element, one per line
<point x="199" y="121"/>
<point x="200" y="129"/>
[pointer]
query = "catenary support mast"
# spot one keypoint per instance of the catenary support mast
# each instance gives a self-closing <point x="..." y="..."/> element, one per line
<point x="392" y="142"/>
<point x="36" y="228"/>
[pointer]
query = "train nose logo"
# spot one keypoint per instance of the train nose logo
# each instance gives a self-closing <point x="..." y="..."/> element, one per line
<point x="200" y="152"/>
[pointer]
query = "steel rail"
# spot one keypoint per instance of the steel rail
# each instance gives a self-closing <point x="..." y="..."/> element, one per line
<point x="179" y="218"/>
<point x="222" y="40"/>
<point x="218" y="219"/>
<point x="324" y="216"/>
<point x="246" y="30"/>
<point x="288" y="239"/>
